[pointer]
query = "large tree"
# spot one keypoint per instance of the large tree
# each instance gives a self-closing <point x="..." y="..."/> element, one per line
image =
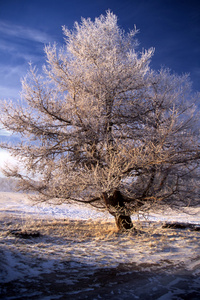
<point x="100" y="127"/>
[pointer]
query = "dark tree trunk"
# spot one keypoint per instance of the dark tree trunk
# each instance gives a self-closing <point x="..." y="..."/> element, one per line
<point x="117" y="208"/>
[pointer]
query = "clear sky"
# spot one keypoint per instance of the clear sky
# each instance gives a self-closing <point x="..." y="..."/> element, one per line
<point x="171" y="26"/>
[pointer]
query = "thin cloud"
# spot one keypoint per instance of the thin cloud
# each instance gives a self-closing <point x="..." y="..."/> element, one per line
<point x="9" y="93"/>
<point x="10" y="77"/>
<point x="4" y="132"/>
<point x="24" y="32"/>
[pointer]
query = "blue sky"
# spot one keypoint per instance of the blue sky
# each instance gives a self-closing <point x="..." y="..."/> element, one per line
<point x="171" y="26"/>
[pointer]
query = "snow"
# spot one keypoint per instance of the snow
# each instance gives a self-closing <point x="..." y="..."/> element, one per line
<point x="80" y="254"/>
<point x="19" y="204"/>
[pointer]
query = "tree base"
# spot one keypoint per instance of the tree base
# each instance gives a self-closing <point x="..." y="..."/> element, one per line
<point x="116" y="207"/>
<point x="123" y="222"/>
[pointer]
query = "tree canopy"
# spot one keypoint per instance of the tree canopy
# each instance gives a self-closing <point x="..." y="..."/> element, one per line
<point x="99" y="126"/>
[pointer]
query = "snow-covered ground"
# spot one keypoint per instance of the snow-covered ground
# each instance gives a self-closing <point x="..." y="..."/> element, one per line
<point x="80" y="255"/>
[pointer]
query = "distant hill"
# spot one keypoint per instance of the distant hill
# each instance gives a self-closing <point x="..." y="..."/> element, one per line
<point x="7" y="184"/>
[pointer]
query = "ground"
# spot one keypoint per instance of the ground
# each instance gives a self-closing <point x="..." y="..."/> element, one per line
<point x="77" y="253"/>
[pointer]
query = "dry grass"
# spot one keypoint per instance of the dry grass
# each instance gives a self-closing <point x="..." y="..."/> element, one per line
<point x="149" y="239"/>
<point x="74" y="229"/>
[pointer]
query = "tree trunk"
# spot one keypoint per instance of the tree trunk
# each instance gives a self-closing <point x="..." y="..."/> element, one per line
<point x="117" y="208"/>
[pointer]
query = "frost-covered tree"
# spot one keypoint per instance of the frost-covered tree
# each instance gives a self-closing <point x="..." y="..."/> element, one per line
<point x="99" y="127"/>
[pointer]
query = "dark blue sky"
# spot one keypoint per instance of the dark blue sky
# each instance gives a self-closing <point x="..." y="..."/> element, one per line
<point x="171" y="26"/>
